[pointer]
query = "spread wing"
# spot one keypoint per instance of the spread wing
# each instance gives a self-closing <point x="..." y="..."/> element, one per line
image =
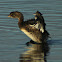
<point x="38" y="25"/>
<point x="35" y="24"/>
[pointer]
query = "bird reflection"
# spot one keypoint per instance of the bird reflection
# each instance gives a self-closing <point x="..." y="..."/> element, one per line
<point x="37" y="53"/>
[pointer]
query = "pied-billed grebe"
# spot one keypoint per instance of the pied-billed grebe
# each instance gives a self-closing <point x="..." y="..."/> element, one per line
<point x="40" y="17"/>
<point x="40" y="21"/>
<point x="40" y="24"/>
<point x="31" y="32"/>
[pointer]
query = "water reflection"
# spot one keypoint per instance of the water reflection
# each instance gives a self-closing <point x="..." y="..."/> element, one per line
<point x="36" y="53"/>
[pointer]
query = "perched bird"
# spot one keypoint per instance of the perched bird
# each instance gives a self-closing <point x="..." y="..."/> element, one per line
<point x="24" y="26"/>
<point x="41" y="25"/>
<point x="40" y="21"/>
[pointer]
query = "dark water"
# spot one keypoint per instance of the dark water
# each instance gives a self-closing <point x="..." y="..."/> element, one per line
<point x="12" y="40"/>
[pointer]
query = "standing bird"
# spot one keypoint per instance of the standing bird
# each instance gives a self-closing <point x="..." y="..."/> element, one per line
<point x="24" y="26"/>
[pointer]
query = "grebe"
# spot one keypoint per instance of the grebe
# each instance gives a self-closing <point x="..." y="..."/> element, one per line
<point x="24" y="26"/>
<point x="40" y="18"/>
<point x="41" y="25"/>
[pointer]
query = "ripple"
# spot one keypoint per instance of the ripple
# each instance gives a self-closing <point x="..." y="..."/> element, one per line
<point x="12" y="40"/>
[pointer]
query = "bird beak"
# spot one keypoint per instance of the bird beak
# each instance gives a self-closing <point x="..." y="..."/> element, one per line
<point x="8" y="15"/>
<point x="34" y="14"/>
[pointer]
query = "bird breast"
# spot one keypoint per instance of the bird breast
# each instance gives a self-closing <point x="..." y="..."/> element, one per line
<point x="34" y="34"/>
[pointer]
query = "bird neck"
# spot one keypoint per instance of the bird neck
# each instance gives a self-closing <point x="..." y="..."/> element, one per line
<point x="20" y="20"/>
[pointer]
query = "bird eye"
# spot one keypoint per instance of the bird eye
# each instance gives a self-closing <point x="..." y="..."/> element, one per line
<point x="13" y="15"/>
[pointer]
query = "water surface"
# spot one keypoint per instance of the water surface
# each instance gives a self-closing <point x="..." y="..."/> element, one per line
<point x="12" y="40"/>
